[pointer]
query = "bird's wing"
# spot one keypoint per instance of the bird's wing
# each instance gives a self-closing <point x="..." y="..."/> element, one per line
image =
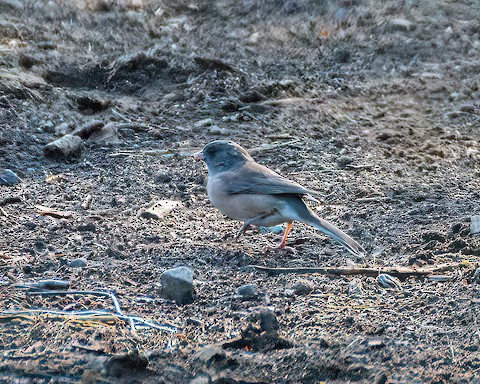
<point x="253" y="178"/>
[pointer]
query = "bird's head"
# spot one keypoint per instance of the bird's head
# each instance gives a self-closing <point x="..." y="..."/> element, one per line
<point x="222" y="156"/>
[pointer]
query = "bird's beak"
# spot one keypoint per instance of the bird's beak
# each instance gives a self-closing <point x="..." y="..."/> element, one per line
<point x="198" y="156"/>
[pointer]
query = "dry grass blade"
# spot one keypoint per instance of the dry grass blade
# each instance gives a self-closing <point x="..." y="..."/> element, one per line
<point x="47" y="211"/>
<point x="84" y="316"/>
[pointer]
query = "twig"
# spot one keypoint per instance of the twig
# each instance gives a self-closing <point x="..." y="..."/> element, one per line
<point x="3" y="212"/>
<point x="266" y="147"/>
<point x="360" y="166"/>
<point x="293" y="100"/>
<point x="152" y="152"/>
<point x="47" y="211"/>
<point x="373" y="272"/>
<point x="10" y="200"/>
<point x="372" y="199"/>
<point x="50" y="284"/>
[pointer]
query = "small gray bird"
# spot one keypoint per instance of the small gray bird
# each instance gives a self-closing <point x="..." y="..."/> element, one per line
<point x="247" y="191"/>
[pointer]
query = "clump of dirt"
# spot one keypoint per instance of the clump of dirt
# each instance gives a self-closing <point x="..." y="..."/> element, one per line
<point x="376" y="105"/>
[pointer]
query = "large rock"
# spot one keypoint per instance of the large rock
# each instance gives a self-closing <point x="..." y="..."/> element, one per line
<point x="177" y="284"/>
<point x="8" y="177"/>
<point x="67" y="147"/>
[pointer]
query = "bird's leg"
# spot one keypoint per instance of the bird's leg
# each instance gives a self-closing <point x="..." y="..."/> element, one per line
<point x="242" y="229"/>
<point x="248" y="223"/>
<point x="285" y="235"/>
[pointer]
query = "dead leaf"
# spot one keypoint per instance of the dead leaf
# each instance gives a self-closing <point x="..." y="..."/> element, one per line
<point x="159" y="209"/>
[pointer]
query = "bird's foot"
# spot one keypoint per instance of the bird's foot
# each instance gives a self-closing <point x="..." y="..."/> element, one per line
<point x="242" y="231"/>
<point x="279" y="249"/>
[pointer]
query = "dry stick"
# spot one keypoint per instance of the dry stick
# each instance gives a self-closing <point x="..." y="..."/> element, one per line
<point x="373" y="272"/>
<point x="267" y="147"/>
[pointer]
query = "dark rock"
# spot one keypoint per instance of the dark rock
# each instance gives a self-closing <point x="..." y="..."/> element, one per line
<point x="470" y="108"/>
<point x="251" y="97"/>
<point x="247" y="291"/>
<point x="208" y="64"/>
<point x="456" y="228"/>
<point x="12" y="4"/>
<point x="86" y="130"/>
<point x="125" y="365"/>
<point x="457" y="245"/>
<point x="163" y="177"/>
<point x="90" y="104"/>
<point x="177" y="284"/>
<point x="231" y="105"/>
<point x="429" y="236"/>
<point x="8" y="177"/>
<point x="47" y="45"/>
<point x="302" y="287"/>
<point x="10" y="200"/>
<point x="88" y="227"/>
<point x="268" y="321"/>
<point x="28" y="61"/>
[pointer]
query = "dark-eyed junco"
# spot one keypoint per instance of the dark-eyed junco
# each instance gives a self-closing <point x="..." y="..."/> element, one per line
<point x="247" y="191"/>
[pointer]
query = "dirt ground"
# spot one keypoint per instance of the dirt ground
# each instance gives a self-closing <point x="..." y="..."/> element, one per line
<point x="375" y="104"/>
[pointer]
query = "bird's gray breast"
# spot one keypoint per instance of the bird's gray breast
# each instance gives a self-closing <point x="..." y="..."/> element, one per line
<point x="242" y="206"/>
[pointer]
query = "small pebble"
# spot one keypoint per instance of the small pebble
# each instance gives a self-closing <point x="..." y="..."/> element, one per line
<point x="204" y="122"/>
<point x="475" y="225"/>
<point x="355" y="288"/>
<point x="400" y="24"/>
<point x="201" y="378"/>
<point x="387" y="281"/>
<point x="216" y="130"/>
<point x="275" y="229"/>
<point x="469" y="108"/>
<point x="78" y="263"/>
<point x="88" y="227"/>
<point x="476" y="276"/>
<point x="248" y="291"/>
<point x="344" y="161"/>
<point x="377" y="342"/>
<point x="62" y="129"/>
<point x="268" y="321"/>
<point x="302" y="287"/>
<point x="8" y="177"/>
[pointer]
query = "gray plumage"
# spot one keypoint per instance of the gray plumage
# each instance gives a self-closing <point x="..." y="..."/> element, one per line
<point x="247" y="191"/>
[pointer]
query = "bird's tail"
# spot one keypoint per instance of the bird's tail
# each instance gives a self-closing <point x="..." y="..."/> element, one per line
<point x="336" y="234"/>
<point x="309" y="217"/>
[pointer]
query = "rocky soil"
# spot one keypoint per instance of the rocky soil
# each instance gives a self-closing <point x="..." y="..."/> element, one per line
<point x="375" y="104"/>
